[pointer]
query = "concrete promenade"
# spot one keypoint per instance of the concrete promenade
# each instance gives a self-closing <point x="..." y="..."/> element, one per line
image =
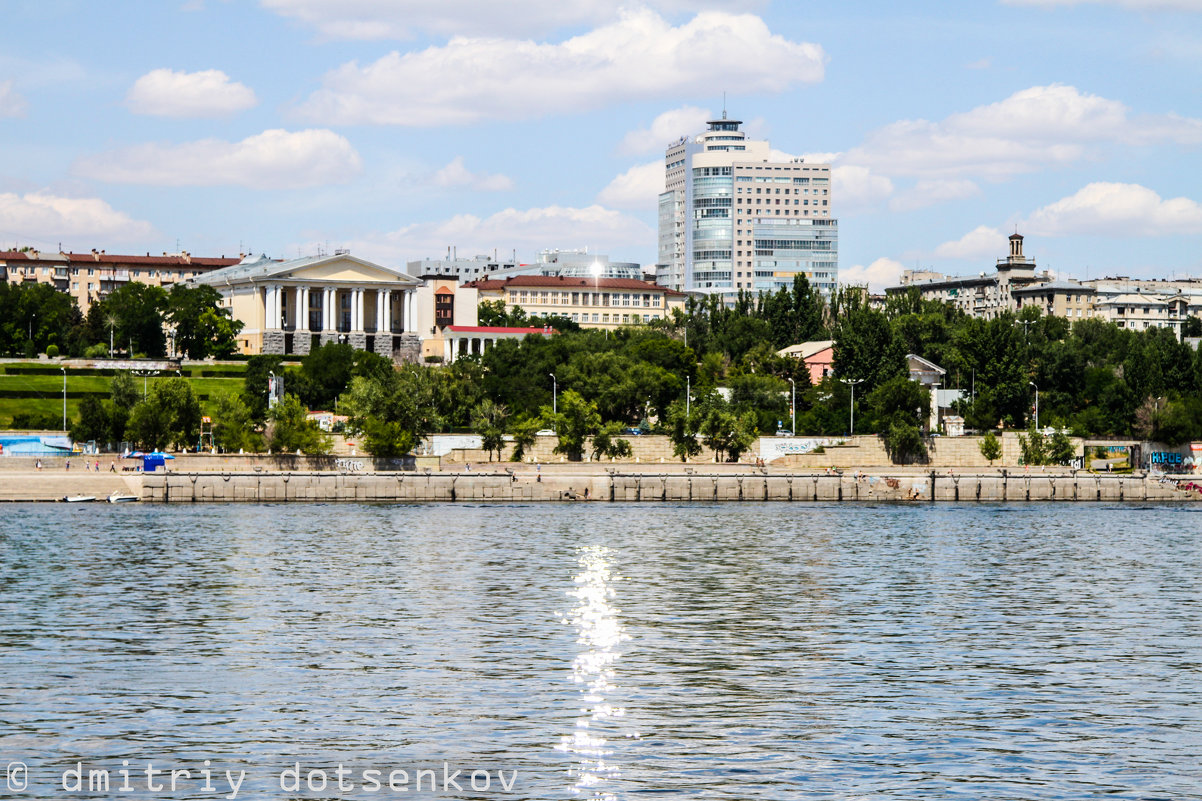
<point x="579" y="482"/>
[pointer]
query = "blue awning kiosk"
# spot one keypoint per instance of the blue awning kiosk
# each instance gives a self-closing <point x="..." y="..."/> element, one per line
<point x="151" y="461"/>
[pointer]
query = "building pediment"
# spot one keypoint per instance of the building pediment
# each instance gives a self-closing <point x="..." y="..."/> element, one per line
<point x="341" y="268"/>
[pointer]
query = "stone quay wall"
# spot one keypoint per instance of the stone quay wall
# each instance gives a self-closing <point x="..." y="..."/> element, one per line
<point x="502" y="487"/>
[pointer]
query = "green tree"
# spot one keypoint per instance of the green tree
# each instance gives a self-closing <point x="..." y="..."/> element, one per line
<point x="291" y="430"/>
<point x="254" y="383"/>
<point x="1034" y="447"/>
<point x="991" y="448"/>
<point x="1060" y="447"/>
<point x="488" y="419"/>
<point x="203" y="326"/>
<point x="576" y="421"/>
<point x="93" y="422"/>
<point x="234" y="426"/>
<point x="525" y="434"/>
<point x="683" y="422"/>
<point x="606" y="442"/>
<point x="394" y="412"/>
<point x="137" y="310"/>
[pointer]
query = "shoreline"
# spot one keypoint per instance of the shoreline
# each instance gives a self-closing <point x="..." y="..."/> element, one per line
<point x="628" y="483"/>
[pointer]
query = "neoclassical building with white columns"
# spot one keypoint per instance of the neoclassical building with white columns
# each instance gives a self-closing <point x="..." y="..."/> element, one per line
<point x="289" y="307"/>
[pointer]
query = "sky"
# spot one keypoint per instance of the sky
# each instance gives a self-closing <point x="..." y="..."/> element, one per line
<point x="401" y="128"/>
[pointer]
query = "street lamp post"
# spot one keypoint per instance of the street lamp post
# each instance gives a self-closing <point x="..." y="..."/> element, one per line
<point x="555" y="400"/>
<point x="793" y="408"/>
<point x="31" y="318"/>
<point x="64" y="369"/>
<point x="852" y="383"/>
<point x="1032" y="383"/>
<point x="688" y="395"/>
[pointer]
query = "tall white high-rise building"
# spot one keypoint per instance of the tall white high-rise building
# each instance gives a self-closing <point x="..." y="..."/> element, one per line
<point x="733" y="219"/>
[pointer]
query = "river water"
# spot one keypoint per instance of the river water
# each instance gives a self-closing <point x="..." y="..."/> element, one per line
<point x="604" y="651"/>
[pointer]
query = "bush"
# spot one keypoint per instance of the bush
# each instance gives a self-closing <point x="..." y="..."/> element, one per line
<point x="98" y="351"/>
<point x="991" y="449"/>
<point x="52" y="351"/>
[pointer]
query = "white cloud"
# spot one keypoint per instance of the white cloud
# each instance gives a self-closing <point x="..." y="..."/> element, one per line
<point x="208" y="93"/>
<point x="881" y="273"/>
<point x="456" y="174"/>
<point x="857" y="187"/>
<point x="637" y="188"/>
<point x="666" y="128"/>
<point x="639" y="57"/>
<point x="11" y="103"/>
<point x="980" y="64"/>
<point x="527" y="230"/>
<point x="1133" y="5"/>
<point x="929" y="192"/>
<point x="43" y="216"/>
<point x="1113" y="209"/>
<point x="1033" y="128"/>
<point x="402" y="19"/>
<point x="274" y="159"/>
<point x="980" y="242"/>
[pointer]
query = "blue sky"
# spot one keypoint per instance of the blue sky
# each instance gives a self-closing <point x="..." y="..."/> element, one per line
<point x="399" y="128"/>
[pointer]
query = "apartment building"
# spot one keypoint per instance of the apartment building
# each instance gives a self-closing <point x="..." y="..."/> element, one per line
<point x="733" y="219"/>
<point x="591" y="302"/>
<point x="1015" y="284"/>
<point x="89" y="277"/>
<point x="1136" y="304"/>
<point x="986" y="295"/>
<point x="578" y="263"/>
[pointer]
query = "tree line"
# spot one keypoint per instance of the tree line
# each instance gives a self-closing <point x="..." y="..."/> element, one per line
<point x="711" y="375"/>
<point x="136" y="319"/>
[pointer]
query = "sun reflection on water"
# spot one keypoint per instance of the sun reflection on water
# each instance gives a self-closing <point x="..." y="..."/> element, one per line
<point x="600" y="635"/>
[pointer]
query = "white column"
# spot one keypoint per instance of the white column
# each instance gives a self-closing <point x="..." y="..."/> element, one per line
<point x="327" y="310"/>
<point x="380" y="296"/>
<point x="273" y="308"/>
<point x="302" y="309"/>
<point x="410" y="305"/>
<point x="448" y="348"/>
<point x="386" y="326"/>
<point x="357" y="310"/>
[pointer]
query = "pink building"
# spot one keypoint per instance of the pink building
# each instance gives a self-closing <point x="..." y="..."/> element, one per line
<point x="819" y="356"/>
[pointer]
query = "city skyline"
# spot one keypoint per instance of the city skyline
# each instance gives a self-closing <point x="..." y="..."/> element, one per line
<point x="401" y="129"/>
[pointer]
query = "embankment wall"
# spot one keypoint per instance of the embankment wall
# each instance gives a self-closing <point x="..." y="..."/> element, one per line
<point x="749" y="486"/>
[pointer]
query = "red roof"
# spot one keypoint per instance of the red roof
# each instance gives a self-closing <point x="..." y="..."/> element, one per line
<point x="562" y="282"/>
<point x="116" y="259"/>
<point x="494" y="329"/>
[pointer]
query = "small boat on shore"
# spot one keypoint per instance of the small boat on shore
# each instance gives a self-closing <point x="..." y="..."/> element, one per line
<point x="79" y="498"/>
<point x="121" y="497"/>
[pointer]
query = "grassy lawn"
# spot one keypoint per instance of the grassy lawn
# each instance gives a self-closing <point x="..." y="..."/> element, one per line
<point x="50" y="392"/>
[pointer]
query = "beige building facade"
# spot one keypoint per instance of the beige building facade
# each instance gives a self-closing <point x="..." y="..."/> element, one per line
<point x="290" y="307"/>
<point x="89" y="277"/>
<point x="591" y="302"/>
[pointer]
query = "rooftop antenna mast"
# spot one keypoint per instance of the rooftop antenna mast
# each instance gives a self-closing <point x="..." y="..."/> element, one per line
<point x="724" y="104"/>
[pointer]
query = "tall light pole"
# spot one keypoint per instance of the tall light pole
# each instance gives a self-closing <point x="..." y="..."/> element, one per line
<point x="852" y="383"/>
<point x="64" y="369"/>
<point x="31" y="317"/>
<point x="555" y="400"/>
<point x="688" y="394"/>
<point x="1032" y="383"/>
<point x="793" y="408"/>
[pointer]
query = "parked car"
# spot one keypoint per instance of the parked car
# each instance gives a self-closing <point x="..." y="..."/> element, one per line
<point x="634" y="432"/>
<point x="783" y="433"/>
<point x="544" y="432"/>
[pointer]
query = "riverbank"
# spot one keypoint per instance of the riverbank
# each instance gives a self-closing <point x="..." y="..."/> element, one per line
<point x="578" y="483"/>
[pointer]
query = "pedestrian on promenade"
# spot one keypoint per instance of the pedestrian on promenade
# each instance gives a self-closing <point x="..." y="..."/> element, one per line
<point x="113" y="466"/>
<point x="68" y="467"/>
